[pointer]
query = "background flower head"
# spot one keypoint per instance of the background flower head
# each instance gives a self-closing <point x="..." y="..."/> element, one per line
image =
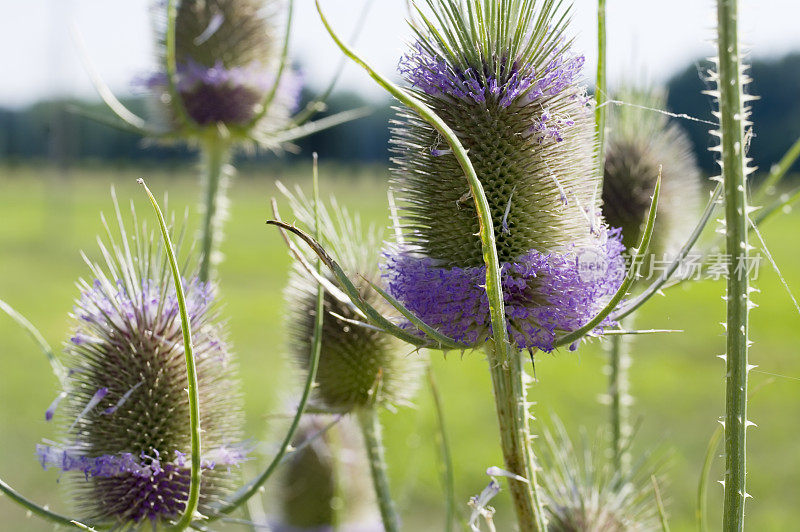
<point x="359" y="365"/>
<point x="641" y="141"/>
<point x="227" y="59"/>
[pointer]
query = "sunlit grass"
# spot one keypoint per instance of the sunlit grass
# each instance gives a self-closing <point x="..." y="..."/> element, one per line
<point x="676" y="379"/>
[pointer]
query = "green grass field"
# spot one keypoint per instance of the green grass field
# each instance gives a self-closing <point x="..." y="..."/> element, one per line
<point x="677" y="379"/>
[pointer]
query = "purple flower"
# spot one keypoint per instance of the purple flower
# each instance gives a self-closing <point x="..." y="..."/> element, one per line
<point x="545" y="294"/>
<point x="232" y="96"/>
<point x="432" y="75"/>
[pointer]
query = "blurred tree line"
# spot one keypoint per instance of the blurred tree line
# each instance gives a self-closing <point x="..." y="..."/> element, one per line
<point x="52" y="131"/>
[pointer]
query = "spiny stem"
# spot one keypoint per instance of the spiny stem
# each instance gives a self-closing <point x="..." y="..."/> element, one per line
<point x="215" y="154"/>
<point x="618" y="386"/>
<point x="515" y="436"/>
<point x="371" y="429"/>
<point x="191" y="371"/>
<point x="734" y="173"/>
<point x="600" y="95"/>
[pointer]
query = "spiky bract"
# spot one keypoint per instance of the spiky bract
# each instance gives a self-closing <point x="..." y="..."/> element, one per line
<point x="325" y="483"/>
<point x="125" y="426"/>
<point x="359" y="366"/>
<point x="583" y="493"/>
<point x="642" y="140"/>
<point x="503" y="77"/>
<point x="227" y="55"/>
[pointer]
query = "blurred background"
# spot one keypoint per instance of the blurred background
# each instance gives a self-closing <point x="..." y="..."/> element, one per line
<point x="56" y="170"/>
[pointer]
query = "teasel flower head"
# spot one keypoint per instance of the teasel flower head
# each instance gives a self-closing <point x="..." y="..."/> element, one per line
<point x="325" y="483"/>
<point x="509" y="88"/>
<point x="227" y="55"/>
<point x="360" y="366"/>
<point x="125" y="439"/>
<point x="640" y="141"/>
<point x="583" y="493"/>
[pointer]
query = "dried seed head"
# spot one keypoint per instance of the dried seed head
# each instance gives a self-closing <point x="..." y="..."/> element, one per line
<point x="359" y="366"/>
<point x="227" y="54"/>
<point x="126" y="436"/>
<point x="509" y="89"/>
<point x="326" y="482"/>
<point x="640" y="141"/>
<point x="583" y="493"/>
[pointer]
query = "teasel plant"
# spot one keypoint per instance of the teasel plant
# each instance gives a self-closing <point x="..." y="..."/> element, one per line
<point x="362" y="369"/>
<point x="642" y="145"/>
<point x="584" y="491"/>
<point x="160" y="475"/>
<point x="535" y="31"/>
<point x="734" y="122"/>
<point x="224" y="85"/>
<point x="130" y="444"/>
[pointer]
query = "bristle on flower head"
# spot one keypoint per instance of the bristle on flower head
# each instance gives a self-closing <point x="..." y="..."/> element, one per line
<point x="359" y="365"/>
<point x="509" y="88"/>
<point x="642" y="140"/>
<point x="126" y="437"/>
<point x="227" y="55"/>
<point x="582" y="492"/>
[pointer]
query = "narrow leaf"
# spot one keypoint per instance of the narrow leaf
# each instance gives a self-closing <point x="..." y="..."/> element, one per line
<point x="191" y="370"/>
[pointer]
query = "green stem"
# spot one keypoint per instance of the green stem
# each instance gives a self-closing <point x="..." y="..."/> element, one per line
<point x="172" y="66"/>
<point x="777" y="172"/>
<point x="512" y="416"/>
<point x="316" y="349"/>
<point x="371" y="429"/>
<point x="191" y="372"/>
<point x="702" y="486"/>
<point x="58" y="368"/>
<point x="619" y="362"/>
<point x="35" y="509"/>
<point x="448" y="478"/>
<point x="215" y="154"/>
<point x="734" y="173"/>
<point x="600" y="95"/>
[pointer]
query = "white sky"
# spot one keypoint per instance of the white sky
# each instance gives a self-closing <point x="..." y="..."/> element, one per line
<point x="38" y="58"/>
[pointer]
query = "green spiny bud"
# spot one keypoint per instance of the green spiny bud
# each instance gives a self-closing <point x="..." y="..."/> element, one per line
<point x="584" y="494"/>
<point x="359" y="366"/>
